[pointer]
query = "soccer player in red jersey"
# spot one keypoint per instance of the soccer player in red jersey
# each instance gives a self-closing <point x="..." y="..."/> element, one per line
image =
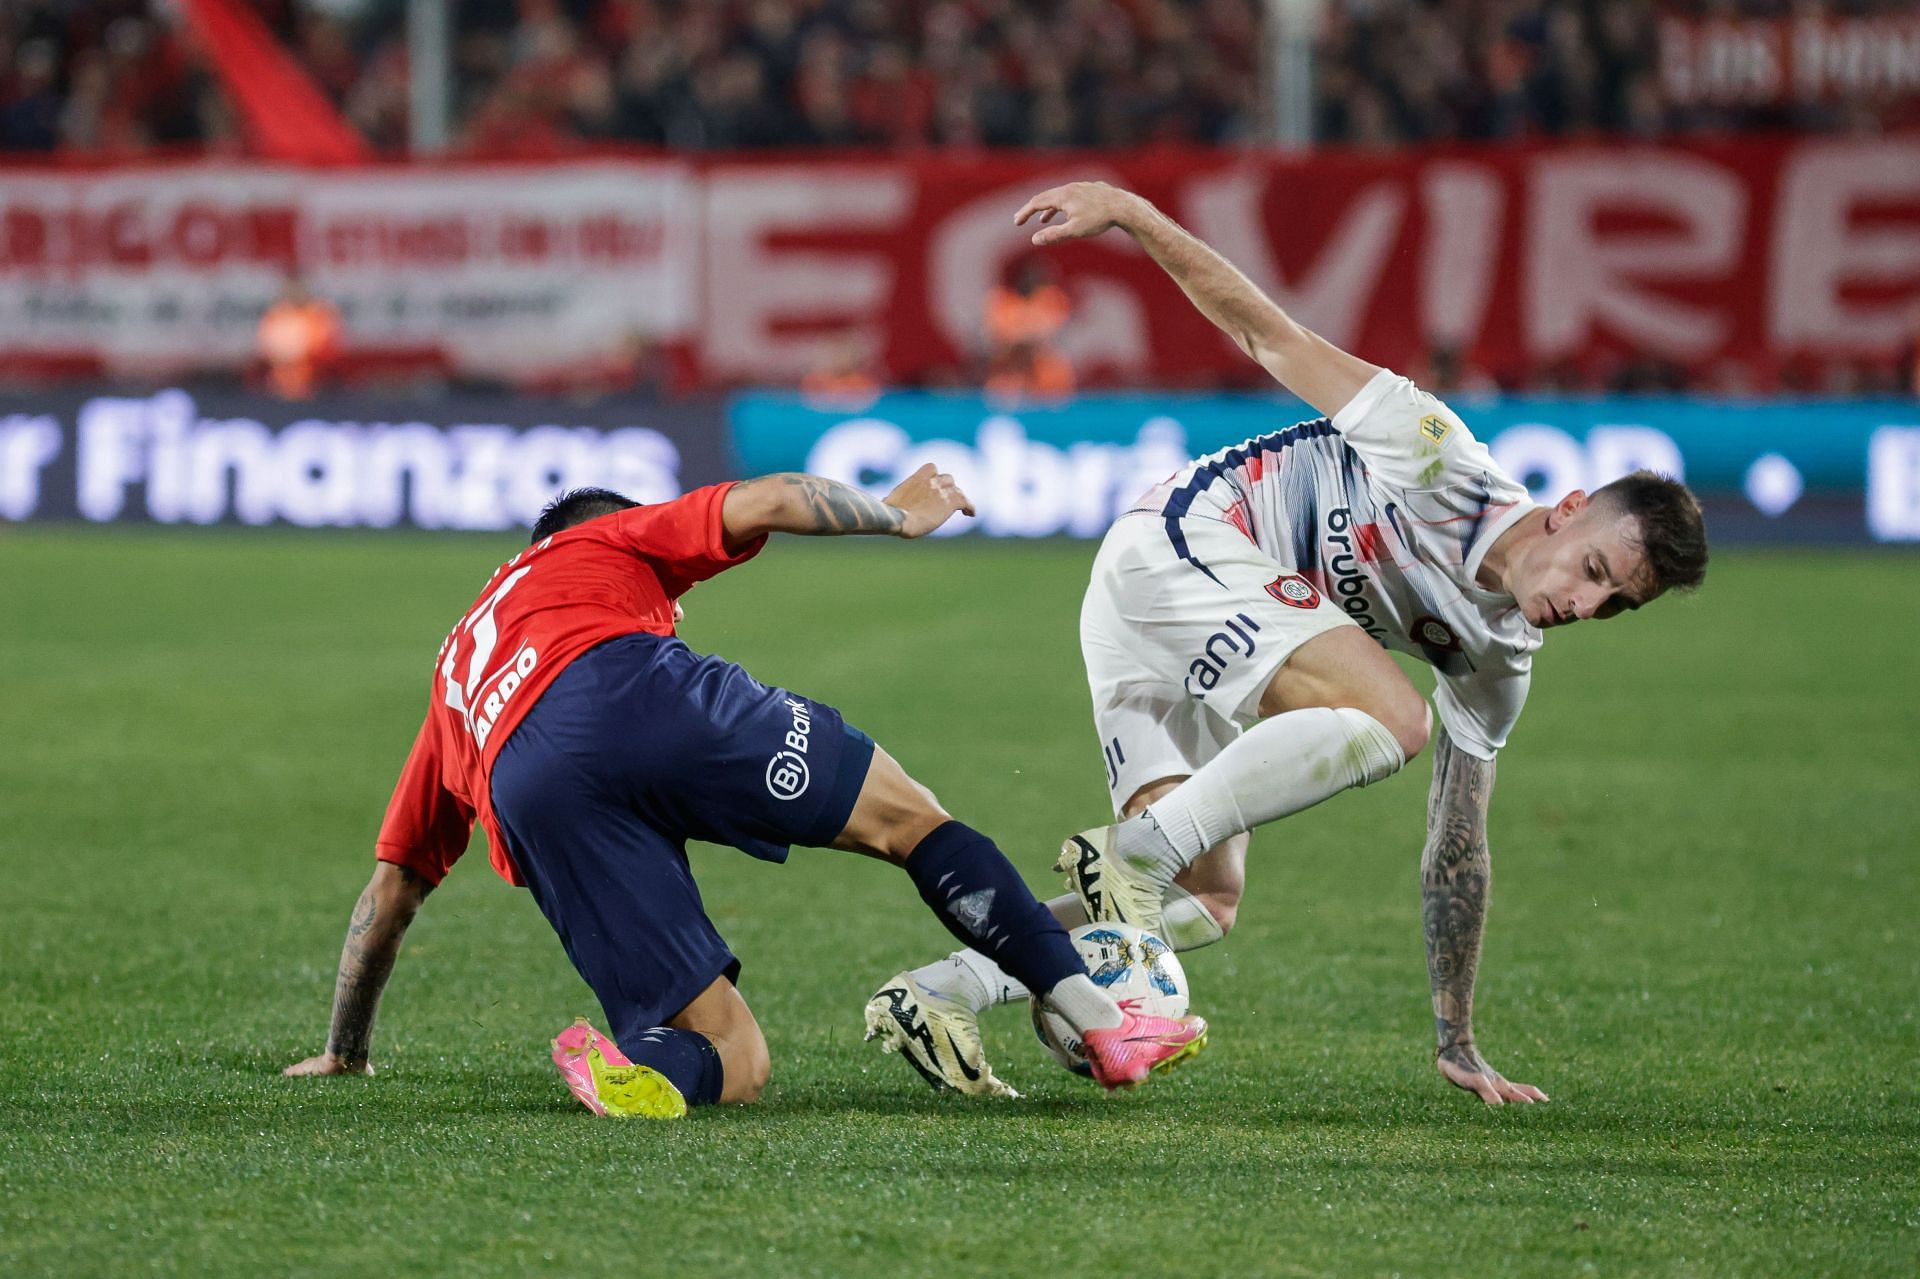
<point x="590" y="744"/>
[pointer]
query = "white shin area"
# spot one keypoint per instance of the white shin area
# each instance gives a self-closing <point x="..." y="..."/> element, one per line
<point x="1277" y="767"/>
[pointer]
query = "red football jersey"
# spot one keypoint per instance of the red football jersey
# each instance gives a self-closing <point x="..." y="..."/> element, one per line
<point x="611" y="576"/>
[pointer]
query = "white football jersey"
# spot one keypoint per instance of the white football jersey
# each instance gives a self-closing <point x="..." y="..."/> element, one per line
<point x="1389" y="507"/>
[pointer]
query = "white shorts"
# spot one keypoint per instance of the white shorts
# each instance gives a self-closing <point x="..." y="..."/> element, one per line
<point x="1178" y="655"/>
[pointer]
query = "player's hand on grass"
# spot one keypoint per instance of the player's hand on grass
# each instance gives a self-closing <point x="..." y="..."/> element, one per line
<point x="1464" y="1067"/>
<point x="929" y="499"/>
<point x="327" y="1064"/>
<point x="1082" y="209"/>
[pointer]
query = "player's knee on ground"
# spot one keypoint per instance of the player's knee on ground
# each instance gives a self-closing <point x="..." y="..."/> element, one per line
<point x="747" y="1066"/>
<point x="893" y="813"/>
<point x="720" y="1014"/>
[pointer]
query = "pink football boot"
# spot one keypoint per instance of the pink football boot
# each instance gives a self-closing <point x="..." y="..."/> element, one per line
<point x="606" y="1083"/>
<point x="570" y="1054"/>
<point x="1124" y="1055"/>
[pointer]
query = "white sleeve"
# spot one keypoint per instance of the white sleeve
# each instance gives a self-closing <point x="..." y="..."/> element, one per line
<point x="1407" y="437"/>
<point x="1480" y="709"/>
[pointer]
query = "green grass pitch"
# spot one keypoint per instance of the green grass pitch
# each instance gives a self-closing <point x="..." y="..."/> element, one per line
<point x="1703" y="945"/>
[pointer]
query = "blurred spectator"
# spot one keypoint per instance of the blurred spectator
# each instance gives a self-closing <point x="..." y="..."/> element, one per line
<point x="534" y="77"/>
<point x="1030" y="306"/>
<point x="1393" y="71"/>
<point x="1025" y="314"/>
<point x="100" y="77"/>
<point x="1028" y="371"/>
<point x="1908" y="370"/>
<point x="1448" y="373"/>
<point x="299" y="339"/>
<point x="845" y="376"/>
<point x="32" y="121"/>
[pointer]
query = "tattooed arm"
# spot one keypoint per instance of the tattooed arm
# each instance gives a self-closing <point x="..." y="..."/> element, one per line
<point x="380" y="920"/>
<point x="808" y="504"/>
<point x="1456" y="873"/>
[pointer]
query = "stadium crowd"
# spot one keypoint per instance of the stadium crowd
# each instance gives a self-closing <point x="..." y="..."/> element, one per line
<point x="545" y="76"/>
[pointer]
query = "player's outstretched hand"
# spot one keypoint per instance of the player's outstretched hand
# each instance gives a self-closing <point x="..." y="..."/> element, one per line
<point x="326" y="1064"/>
<point x="1464" y="1067"/>
<point x="1083" y="209"/>
<point x="929" y="499"/>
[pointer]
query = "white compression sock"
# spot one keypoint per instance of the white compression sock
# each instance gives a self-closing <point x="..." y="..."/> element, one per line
<point x="1084" y="1005"/>
<point x="1279" y="766"/>
<point x="978" y="982"/>
<point x="970" y="978"/>
<point x="1186" y="921"/>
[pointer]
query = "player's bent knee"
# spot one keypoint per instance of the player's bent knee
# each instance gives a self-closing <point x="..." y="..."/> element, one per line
<point x="1406" y="717"/>
<point x="1412" y="725"/>
<point x="748" y="1067"/>
<point x="1224" y="909"/>
<point x="745" y="1064"/>
<point x="723" y="1017"/>
<point x="1373" y="750"/>
<point x="893" y="813"/>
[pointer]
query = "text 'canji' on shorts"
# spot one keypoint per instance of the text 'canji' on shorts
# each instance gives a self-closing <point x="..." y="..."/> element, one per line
<point x="1184" y="624"/>
<point x="638" y="746"/>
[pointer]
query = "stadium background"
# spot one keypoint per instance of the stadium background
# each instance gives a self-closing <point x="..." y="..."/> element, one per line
<point x="525" y="244"/>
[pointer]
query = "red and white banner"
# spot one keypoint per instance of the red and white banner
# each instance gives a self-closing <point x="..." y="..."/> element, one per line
<point x="503" y="268"/>
<point x="1754" y="252"/>
<point x="1519" y="258"/>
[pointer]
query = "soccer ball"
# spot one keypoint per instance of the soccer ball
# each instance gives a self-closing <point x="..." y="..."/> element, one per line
<point x="1135" y="967"/>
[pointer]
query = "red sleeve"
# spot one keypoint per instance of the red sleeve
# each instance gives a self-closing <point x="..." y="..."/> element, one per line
<point x="684" y="540"/>
<point x="427" y="826"/>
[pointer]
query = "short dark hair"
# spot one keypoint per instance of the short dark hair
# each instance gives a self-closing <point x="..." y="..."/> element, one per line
<point x="577" y="506"/>
<point x="1667" y="526"/>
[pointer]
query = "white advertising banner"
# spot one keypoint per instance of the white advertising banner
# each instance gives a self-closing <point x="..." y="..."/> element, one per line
<point x="502" y="267"/>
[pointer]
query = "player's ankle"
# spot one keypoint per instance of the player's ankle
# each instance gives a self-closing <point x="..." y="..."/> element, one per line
<point x="951" y="979"/>
<point x="1084" y="1005"/>
<point x="1141" y="843"/>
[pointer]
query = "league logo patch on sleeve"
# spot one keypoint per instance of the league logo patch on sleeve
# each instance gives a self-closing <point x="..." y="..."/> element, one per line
<point x="1435" y="428"/>
<point x="1431" y="632"/>
<point x="1294" y="591"/>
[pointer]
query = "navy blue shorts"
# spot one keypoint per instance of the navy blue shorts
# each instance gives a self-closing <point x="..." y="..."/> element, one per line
<point x="640" y="745"/>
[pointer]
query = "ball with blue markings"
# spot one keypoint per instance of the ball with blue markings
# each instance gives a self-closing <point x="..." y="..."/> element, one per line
<point x="1138" y="969"/>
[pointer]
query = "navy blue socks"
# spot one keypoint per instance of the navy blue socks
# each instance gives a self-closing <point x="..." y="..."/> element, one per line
<point x="686" y="1057"/>
<point x="982" y="900"/>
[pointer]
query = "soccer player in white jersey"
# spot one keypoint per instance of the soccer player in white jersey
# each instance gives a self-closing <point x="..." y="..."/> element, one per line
<point x="1235" y="635"/>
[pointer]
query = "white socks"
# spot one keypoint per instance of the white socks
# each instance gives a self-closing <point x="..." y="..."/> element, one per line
<point x="969" y="977"/>
<point x="1278" y="767"/>
<point x="1186" y="921"/>
<point x="1084" y="1005"/>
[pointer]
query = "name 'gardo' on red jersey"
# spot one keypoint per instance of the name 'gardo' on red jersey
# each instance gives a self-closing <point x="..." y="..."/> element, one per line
<point x="615" y="575"/>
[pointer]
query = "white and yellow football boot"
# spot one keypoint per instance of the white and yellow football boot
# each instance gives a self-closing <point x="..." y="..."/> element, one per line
<point x="1109" y="889"/>
<point x="938" y="1036"/>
